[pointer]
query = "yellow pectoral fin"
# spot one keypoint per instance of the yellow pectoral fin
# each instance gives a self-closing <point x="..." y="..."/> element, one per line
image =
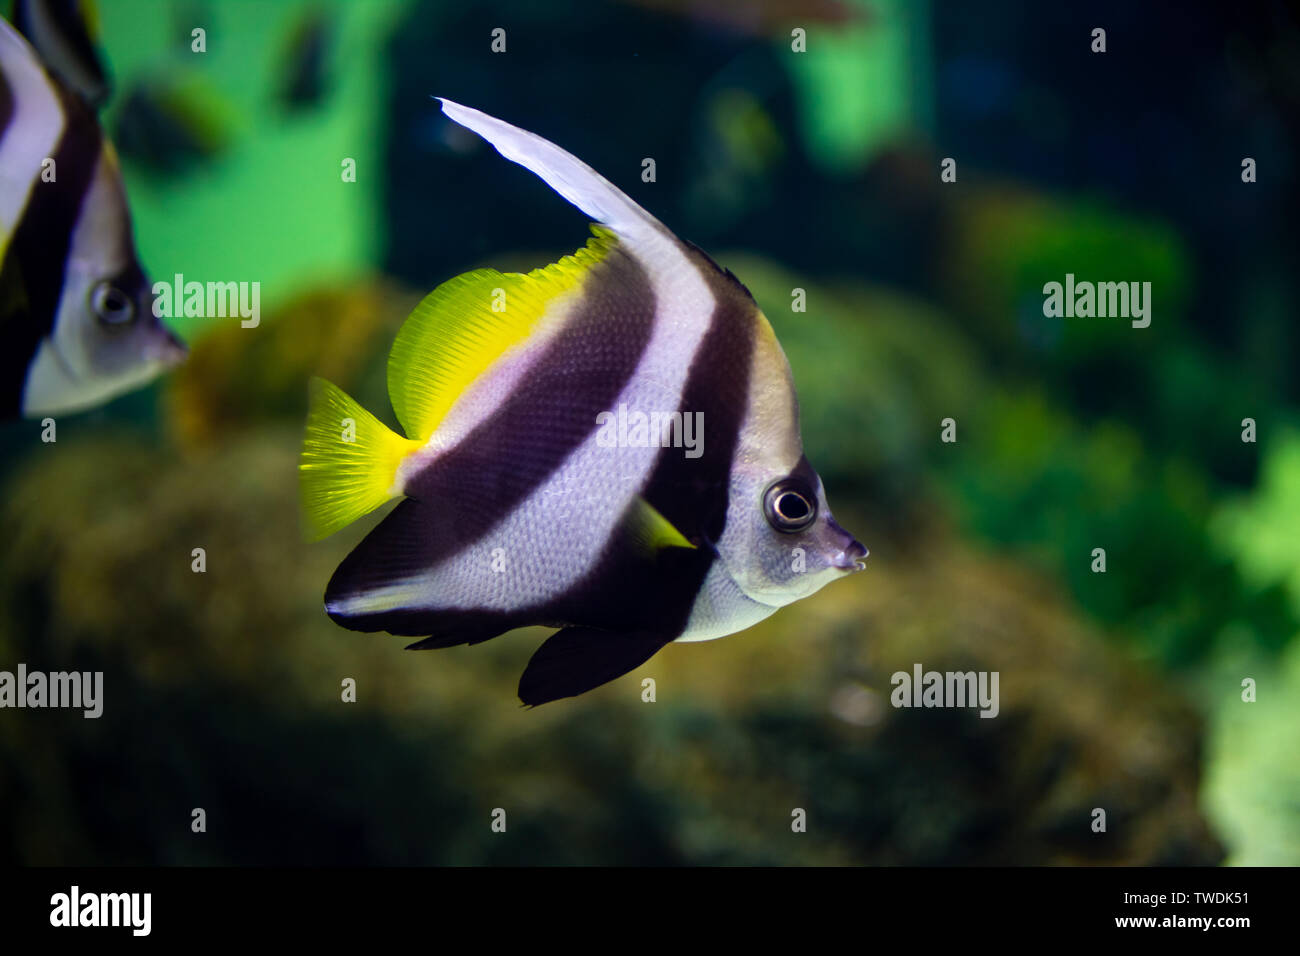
<point x="650" y="531"/>
<point x="462" y="327"/>
<point x="349" y="461"/>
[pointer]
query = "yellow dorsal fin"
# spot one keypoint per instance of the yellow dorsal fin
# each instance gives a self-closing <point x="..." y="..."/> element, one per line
<point x="462" y="327"/>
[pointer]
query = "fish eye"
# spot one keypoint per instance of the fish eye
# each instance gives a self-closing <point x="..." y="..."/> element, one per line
<point x="111" y="305"/>
<point x="789" y="505"/>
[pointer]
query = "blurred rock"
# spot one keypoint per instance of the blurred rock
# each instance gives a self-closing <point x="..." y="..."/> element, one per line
<point x="237" y="376"/>
<point x="222" y="691"/>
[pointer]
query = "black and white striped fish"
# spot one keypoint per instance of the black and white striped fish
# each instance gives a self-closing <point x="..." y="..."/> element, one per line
<point x="531" y="498"/>
<point x="76" y="310"/>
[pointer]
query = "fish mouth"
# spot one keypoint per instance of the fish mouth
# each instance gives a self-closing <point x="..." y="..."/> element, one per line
<point x="853" y="558"/>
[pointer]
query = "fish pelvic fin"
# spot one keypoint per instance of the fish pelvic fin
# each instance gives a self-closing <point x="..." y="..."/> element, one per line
<point x="575" y="660"/>
<point x="462" y="327"/>
<point x="349" y="461"/>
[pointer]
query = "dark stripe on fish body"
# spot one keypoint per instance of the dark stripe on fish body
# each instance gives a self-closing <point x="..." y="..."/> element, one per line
<point x="462" y="495"/>
<point x="43" y="238"/>
<point x="625" y="593"/>
<point x="692" y="492"/>
<point x="6" y="105"/>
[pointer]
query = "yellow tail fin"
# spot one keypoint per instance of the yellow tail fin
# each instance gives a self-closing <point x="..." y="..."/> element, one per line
<point x="349" y="461"/>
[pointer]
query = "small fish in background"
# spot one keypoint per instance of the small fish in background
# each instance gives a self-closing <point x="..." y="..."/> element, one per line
<point x="527" y="502"/>
<point x="185" y="15"/>
<point x="304" y="81"/>
<point x="172" y="124"/>
<point x="761" y="17"/>
<point x="65" y="33"/>
<point x="169" y="124"/>
<point x="76" y="309"/>
<point x="740" y="149"/>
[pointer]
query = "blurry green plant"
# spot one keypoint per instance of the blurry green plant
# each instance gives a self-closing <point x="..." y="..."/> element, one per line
<point x="1252" y="784"/>
<point x="1030" y="478"/>
<point x="1262" y="531"/>
<point x="1008" y="243"/>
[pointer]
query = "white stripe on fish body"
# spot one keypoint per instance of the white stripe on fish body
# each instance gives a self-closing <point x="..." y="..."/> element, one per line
<point x="588" y="495"/>
<point x="33" y="133"/>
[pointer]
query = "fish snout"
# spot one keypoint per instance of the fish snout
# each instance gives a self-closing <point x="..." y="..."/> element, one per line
<point x="853" y="557"/>
<point x="169" y="349"/>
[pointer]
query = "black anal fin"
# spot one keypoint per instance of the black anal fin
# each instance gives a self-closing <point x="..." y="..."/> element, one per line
<point x="577" y="659"/>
